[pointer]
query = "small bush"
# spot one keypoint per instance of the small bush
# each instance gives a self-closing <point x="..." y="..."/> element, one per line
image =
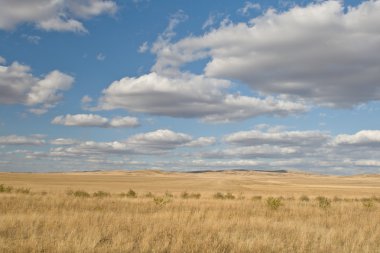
<point x="149" y="195"/>
<point x="368" y="204"/>
<point x="304" y="198"/>
<point x="323" y="202"/>
<point x="161" y="201"/>
<point x="185" y="195"/>
<point x="257" y="198"/>
<point x="195" y="195"/>
<point x="101" y="194"/>
<point x="79" y="194"/>
<point x="218" y="195"/>
<point x="6" y="189"/>
<point x="274" y="203"/>
<point x="169" y="194"/>
<point x="337" y="199"/>
<point x="23" y="190"/>
<point x="229" y="196"/>
<point x="131" y="194"/>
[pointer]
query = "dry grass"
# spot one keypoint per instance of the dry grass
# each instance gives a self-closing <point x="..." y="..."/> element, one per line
<point x="58" y="220"/>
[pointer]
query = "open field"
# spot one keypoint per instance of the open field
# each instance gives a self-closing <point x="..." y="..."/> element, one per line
<point x="253" y="212"/>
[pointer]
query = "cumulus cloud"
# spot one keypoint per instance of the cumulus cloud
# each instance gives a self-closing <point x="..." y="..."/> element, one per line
<point x="19" y="86"/>
<point x="320" y="52"/>
<point x="276" y="137"/>
<point x="190" y="96"/>
<point x="361" y="138"/>
<point x="93" y="120"/>
<point x="202" y="142"/>
<point x="63" y="141"/>
<point x="51" y="15"/>
<point x="22" y="140"/>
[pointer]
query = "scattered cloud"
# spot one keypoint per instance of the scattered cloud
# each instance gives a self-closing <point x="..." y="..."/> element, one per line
<point x="362" y="138"/>
<point x="93" y="120"/>
<point x="190" y="96"/>
<point x="32" y="140"/>
<point x="319" y="52"/>
<point x="144" y="47"/>
<point x="100" y="57"/>
<point x="247" y="7"/>
<point x="33" y="39"/>
<point x="51" y="15"/>
<point x="19" y="86"/>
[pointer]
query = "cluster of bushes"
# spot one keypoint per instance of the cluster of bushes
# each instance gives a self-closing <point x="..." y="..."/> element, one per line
<point x="186" y="195"/>
<point x="220" y="195"/>
<point x="9" y="189"/>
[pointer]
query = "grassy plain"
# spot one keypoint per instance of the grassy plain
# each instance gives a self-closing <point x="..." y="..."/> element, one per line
<point x="182" y="212"/>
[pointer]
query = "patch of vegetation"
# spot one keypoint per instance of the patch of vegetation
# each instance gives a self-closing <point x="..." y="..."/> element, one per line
<point x="274" y="203"/>
<point x="169" y="194"/>
<point x="78" y="193"/>
<point x="368" y="204"/>
<point x="257" y="198"/>
<point x="337" y="199"/>
<point x="101" y="194"/>
<point x="5" y="189"/>
<point x="220" y="195"/>
<point x="323" y="202"/>
<point x="161" y="201"/>
<point x="149" y="195"/>
<point x="131" y="194"/>
<point x="304" y="198"/>
<point x="186" y="195"/>
<point x="23" y="190"/>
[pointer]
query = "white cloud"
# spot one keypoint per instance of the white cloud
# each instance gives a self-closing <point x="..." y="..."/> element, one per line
<point x="320" y="52"/>
<point x="143" y="47"/>
<point x="19" y="86"/>
<point x="34" y="39"/>
<point x="280" y="138"/>
<point x="161" y="139"/>
<point x="202" y="142"/>
<point x="190" y="96"/>
<point x="361" y="138"/>
<point x="247" y="7"/>
<point x="63" y="141"/>
<point x="93" y="120"/>
<point x="21" y="140"/>
<point x="100" y="57"/>
<point x="124" y="122"/>
<point x="52" y="15"/>
<point x="2" y="61"/>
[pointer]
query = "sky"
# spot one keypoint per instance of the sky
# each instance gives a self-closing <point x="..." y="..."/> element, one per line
<point x="190" y="85"/>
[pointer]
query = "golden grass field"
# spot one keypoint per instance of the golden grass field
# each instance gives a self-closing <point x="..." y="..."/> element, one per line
<point x="263" y="212"/>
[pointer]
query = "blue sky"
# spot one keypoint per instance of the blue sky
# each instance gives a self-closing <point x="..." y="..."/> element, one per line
<point x="190" y="85"/>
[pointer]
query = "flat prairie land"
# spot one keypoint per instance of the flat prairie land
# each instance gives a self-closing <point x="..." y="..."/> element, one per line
<point x="155" y="211"/>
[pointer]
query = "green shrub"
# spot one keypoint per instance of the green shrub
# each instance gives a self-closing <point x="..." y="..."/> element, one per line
<point x="274" y="203"/>
<point x="195" y="195"/>
<point x="323" y="202"/>
<point x="218" y="195"/>
<point x="229" y="196"/>
<point x="169" y="194"/>
<point x="149" y="195"/>
<point x="185" y="195"/>
<point x="79" y="194"/>
<point x="161" y="201"/>
<point x="131" y="194"/>
<point x="101" y="194"/>
<point x="368" y="204"/>
<point x="304" y="198"/>
<point x="6" y="189"/>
